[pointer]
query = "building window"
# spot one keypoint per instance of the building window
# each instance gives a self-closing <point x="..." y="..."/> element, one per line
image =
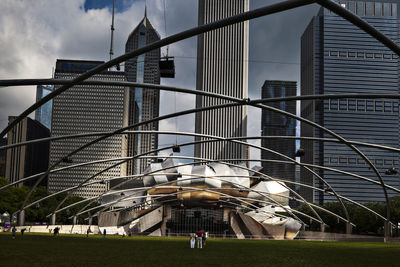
<point x="333" y="104"/>
<point x="370" y="9"/>
<point x="360" y="8"/>
<point x="391" y="10"/>
<point x="388" y="106"/>
<point x="343" y="104"/>
<point x="352" y="104"/>
<point x="361" y="105"/>
<point x="387" y="56"/>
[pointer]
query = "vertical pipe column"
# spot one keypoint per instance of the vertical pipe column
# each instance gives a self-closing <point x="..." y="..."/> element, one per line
<point x="21" y="218"/>
<point x="53" y="219"/>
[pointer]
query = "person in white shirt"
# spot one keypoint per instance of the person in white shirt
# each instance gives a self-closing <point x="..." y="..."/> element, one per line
<point x="192" y="240"/>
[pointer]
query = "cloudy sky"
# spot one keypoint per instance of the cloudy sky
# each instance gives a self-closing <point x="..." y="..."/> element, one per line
<point x="34" y="33"/>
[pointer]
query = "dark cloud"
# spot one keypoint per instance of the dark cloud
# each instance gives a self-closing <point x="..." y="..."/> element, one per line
<point x="30" y="42"/>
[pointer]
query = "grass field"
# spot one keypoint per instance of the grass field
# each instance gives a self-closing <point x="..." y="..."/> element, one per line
<point x="77" y="250"/>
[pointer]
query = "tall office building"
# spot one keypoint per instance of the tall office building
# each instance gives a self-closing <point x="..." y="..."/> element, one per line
<point x="222" y="68"/>
<point x="274" y="124"/>
<point x="337" y="57"/>
<point x="30" y="159"/>
<point x="83" y="109"/>
<point x="3" y="153"/>
<point x="143" y="103"/>
<point x="43" y="113"/>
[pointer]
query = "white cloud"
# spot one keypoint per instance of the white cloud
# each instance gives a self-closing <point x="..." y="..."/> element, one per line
<point x="33" y="34"/>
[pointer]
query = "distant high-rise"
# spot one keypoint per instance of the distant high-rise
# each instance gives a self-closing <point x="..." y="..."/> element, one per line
<point x="274" y="124"/>
<point x="83" y="109"/>
<point x="3" y="153"/>
<point x="43" y="113"/>
<point x="222" y="68"/>
<point x="143" y="103"/>
<point x="337" y="57"/>
<point x="30" y="159"/>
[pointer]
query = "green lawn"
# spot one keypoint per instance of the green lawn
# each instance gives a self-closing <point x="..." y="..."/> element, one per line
<point x="75" y="250"/>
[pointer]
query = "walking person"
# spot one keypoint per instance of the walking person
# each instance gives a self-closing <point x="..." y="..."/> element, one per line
<point x="205" y="235"/>
<point x="104" y="233"/>
<point x="56" y="230"/>
<point x="199" y="239"/>
<point x="13" y="232"/>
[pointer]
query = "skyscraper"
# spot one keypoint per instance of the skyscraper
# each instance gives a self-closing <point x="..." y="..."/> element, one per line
<point x="3" y="153"/>
<point x="83" y="109"/>
<point x="43" y="113"/>
<point x="143" y="103"/>
<point x="30" y="159"/>
<point x="274" y="124"/>
<point x="222" y="68"/>
<point x="337" y="57"/>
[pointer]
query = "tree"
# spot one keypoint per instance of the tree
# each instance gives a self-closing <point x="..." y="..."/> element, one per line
<point x="12" y="198"/>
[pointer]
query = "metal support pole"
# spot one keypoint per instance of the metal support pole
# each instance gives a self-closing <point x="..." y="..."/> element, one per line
<point x="74" y="220"/>
<point x="322" y="227"/>
<point x="53" y="219"/>
<point x="388" y="231"/>
<point x="349" y="228"/>
<point x="90" y="220"/>
<point x="21" y="218"/>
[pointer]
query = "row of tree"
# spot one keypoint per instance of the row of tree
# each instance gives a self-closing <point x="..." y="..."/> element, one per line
<point x="366" y="222"/>
<point x="12" y="198"/>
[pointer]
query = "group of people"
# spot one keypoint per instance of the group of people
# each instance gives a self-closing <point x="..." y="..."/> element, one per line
<point x="14" y="231"/>
<point x="201" y="238"/>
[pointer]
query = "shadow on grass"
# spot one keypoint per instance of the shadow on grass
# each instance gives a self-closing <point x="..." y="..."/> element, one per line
<point x="78" y="250"/>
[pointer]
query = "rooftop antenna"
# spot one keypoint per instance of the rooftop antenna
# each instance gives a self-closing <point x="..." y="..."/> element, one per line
<point x="112" y="32"/>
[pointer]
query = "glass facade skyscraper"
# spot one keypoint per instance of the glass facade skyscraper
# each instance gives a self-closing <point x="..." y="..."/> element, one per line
<point x="143" y="103"/>
<point x="337" y="57"/>
<point x="274" y="124"/>
<point x="43" y="113"/>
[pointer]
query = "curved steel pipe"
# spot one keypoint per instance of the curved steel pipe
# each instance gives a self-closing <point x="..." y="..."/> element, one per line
<point x="234" y="140"/>
<point x="275" y="8"/>
<point x="281" y="180"/>
<point x="240" y="102"/>
<point x="359" y="22"/>
<point x="72" y="136"/>
<point x="207" y="161"/>
<point x="152" y="132"/>
<point x="342" y="12"/>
